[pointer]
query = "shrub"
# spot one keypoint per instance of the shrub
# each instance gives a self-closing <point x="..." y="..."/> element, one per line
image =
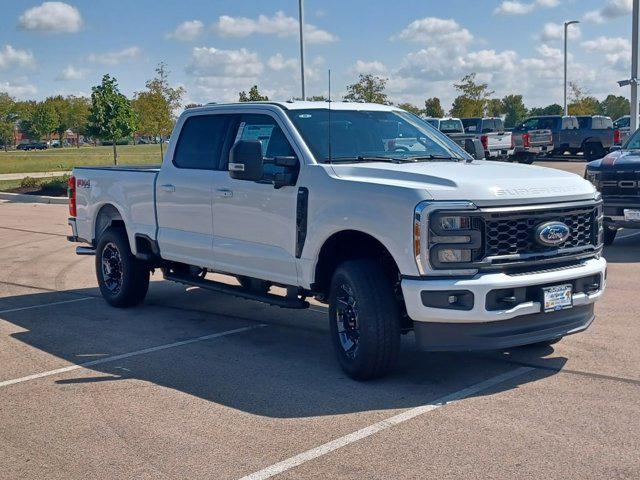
<point x="29" y="182"/>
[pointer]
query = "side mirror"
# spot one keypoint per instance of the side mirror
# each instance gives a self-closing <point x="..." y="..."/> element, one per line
<point x="245" y="160"/>
<point x="474" y="148"/>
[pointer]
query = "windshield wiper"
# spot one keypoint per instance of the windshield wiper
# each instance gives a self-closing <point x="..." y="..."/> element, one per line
<point x="435" y="157"/>
<point x="366" y="158"/>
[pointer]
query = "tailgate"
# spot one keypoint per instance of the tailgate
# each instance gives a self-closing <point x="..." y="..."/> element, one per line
<point x="499" y="141"/>
<point x="539" y="138"/>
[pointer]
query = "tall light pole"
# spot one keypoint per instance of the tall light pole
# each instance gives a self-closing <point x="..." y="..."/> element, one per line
<point x="301" y="21"/>
<point x="566" y="27"/>
<point x="634" y="66"/>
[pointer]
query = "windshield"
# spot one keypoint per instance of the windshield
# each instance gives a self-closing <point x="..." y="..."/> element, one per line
<point x="633" y="143"/>
<point x="365" y="135"/>
<point x="622" y="122"/>
<point x="451" y="126"/>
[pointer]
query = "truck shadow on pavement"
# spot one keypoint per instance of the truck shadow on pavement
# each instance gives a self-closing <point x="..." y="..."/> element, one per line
<point x="626" y="248"/>
<point x="285" y="369"/>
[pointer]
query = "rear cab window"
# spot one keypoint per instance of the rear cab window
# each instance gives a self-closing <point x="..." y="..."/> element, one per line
<point x="200" y="142"/>
<point x="451" y="126"/>
<point x="472" y="125"/>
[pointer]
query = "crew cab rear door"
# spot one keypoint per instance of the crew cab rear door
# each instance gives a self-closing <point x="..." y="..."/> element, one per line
<point x="254" y="224"/>
<point x="184" y="190"/>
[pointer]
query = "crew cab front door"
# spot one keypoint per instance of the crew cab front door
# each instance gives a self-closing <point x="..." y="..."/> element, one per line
<point x="255" y="223"/>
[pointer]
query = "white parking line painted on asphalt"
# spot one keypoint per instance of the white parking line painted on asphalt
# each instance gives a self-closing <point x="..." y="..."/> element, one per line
<point x="350" y="438"/>
<point x="19" y="309"/>
<point x="629" y="236"/>
<point x="122" y="356"/>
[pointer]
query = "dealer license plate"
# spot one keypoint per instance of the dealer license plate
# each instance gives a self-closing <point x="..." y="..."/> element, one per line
<point x="558" y="297"/>
<point x="631" y="215"/>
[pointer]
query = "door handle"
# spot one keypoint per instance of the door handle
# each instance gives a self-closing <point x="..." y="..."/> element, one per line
<point x="224" y="193"/>
<point x="167" y="187"/>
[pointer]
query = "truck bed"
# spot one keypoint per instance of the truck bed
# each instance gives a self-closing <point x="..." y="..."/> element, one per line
<point x="129" y="189"/>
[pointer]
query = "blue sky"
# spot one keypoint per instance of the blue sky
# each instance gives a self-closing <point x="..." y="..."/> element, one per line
<point x="216" y="48"/>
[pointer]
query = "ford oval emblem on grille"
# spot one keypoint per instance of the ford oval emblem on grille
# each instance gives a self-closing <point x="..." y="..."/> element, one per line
<point x="551" y="234"/>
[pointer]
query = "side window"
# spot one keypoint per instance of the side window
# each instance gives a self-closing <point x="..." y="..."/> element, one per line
<point x="265" y="129"/>
<point x="200" y="142"/>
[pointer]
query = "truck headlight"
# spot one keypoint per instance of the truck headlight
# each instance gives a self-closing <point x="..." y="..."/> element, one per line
<point x="455" y="223"/>
<point x="593" y="177"/>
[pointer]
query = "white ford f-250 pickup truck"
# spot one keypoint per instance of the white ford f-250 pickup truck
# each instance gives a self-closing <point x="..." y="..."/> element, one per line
<point x="359" y="205"/>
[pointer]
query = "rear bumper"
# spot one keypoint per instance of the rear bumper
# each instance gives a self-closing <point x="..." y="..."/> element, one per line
<point x="499" y="153"/>
<point x="534" y="150"/>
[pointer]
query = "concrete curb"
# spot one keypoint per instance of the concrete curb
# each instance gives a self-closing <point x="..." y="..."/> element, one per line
<point x="24" y="198"/>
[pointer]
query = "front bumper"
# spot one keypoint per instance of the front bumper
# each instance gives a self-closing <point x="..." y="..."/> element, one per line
<point x="479" y="315"/>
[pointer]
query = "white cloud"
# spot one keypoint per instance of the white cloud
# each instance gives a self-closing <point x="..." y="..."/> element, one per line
<point x="115" y="58"/>
<point x="436" y="31"/>
<point x="612" y="10"/>
<point x="616" y="51"/>
<point x="212" y="62"/>
<point x="10" y="57"/>
<point x="279" y="24"/>
<point x="374" y="67"/>
<point x="607" y="45"/>
<point x="19" y="89"/>
<point x="517" y="7"/>
<point x="51" y="17"/>
<point x="555" y="31"/>
<point x="72" y="73"/>
<point x="278" y="63"/>
<point x="187" y="31"/>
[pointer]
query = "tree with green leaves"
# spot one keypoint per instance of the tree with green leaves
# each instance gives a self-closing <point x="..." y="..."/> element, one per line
<point x="79" y="110"/>
<point x="253" y="96"/>
<point x="369" y="88"/>
<point x="111" y="116"/>
<point x="553" y="109"/>
<point x="8" y="118"/>
<point x="615" y="106"/>
<point x="495" y="108"/>
<point x="60" y="106"/>
<point x="514" y="109"/>
<point x="582" y="103"/>
<point x="473" y="97"/>
<point x="153" y="115"/>
<point x="160" y="85"/>
<point x="410" y="107"/>
<point x="433" y="108"/>
<point x="43" y="120"/>
<point x="155" y="106"/>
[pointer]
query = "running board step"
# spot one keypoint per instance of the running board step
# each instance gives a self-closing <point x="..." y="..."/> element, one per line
<point x="220" y="287"/>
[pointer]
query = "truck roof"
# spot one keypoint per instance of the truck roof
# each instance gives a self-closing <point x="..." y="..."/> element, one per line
<point x="304" y="105"/>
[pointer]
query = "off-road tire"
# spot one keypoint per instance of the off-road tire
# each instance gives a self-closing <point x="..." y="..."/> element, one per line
<point x="135" y="273"/>
<point x="593" y="151"/>
<point x="378" y="319"/>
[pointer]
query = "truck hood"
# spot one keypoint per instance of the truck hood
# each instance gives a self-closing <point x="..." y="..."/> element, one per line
<point x="619" y="160"/>
<point x="483" y="182"/>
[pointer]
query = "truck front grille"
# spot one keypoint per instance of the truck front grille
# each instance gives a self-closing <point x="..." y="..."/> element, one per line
<point x="620" y="184"/>
<point x="514" y="234"/>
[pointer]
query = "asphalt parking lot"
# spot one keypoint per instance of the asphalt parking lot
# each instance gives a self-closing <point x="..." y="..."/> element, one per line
<point x="193" y="384"/>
